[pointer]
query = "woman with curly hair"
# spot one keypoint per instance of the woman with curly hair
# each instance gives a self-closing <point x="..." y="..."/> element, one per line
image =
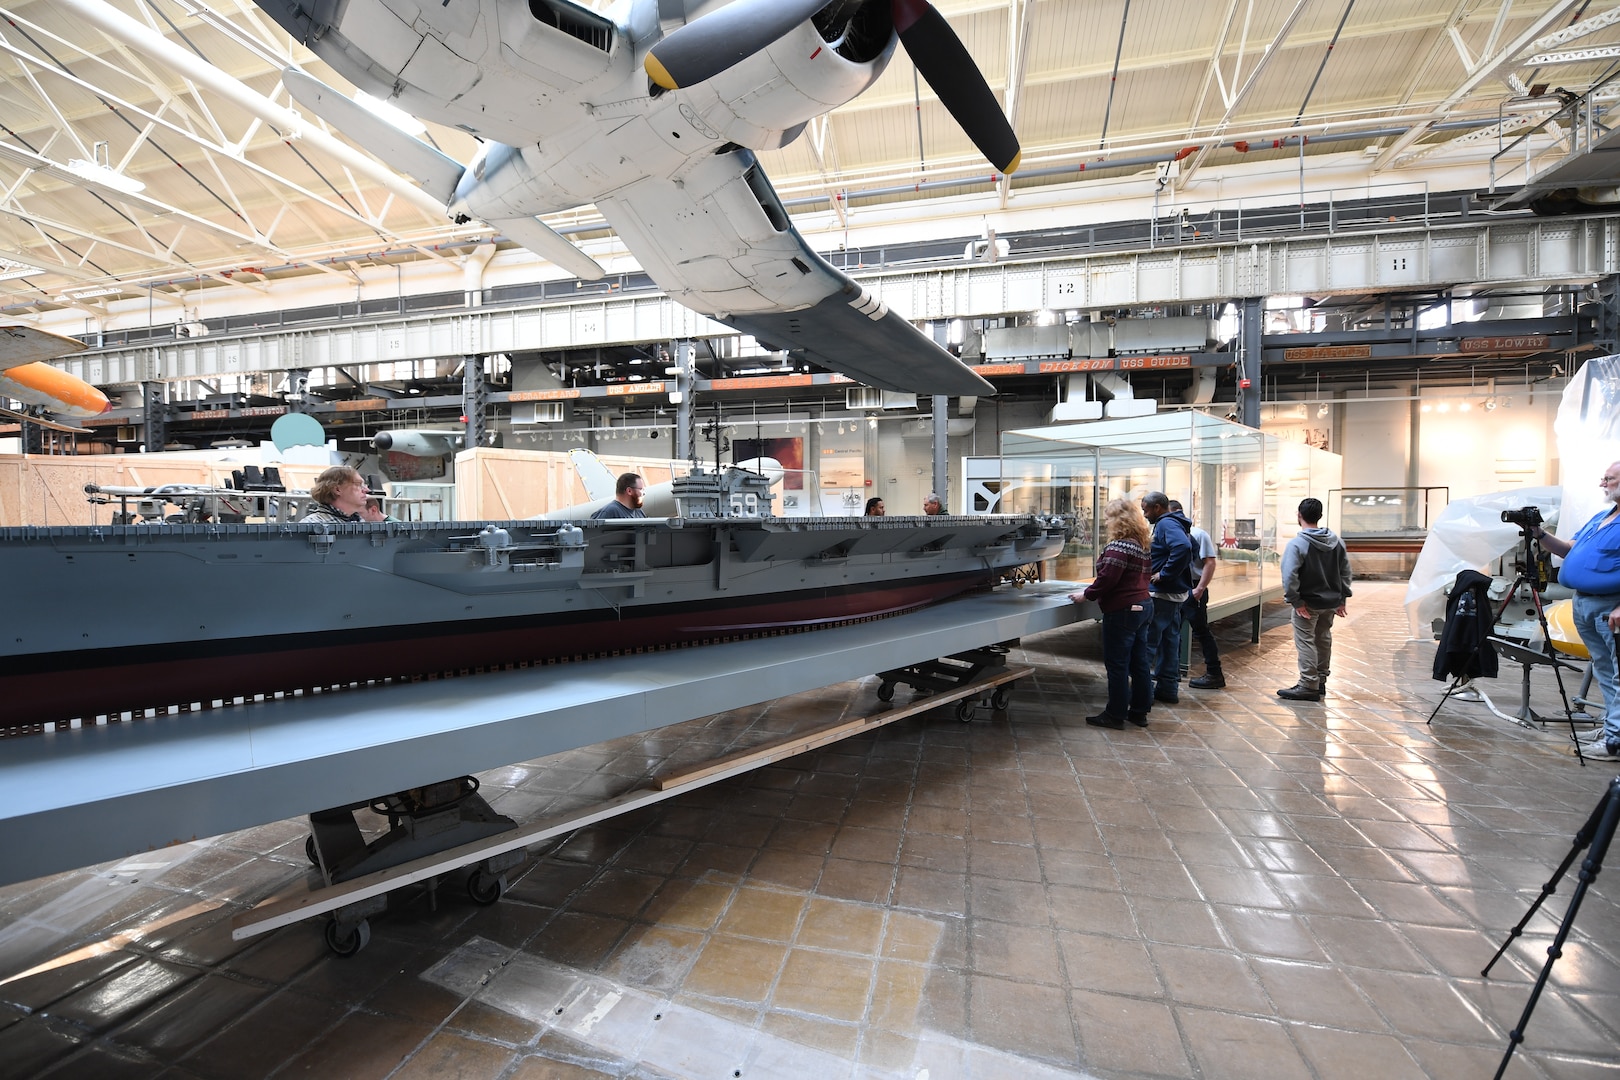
<point x="1121" y="591"/>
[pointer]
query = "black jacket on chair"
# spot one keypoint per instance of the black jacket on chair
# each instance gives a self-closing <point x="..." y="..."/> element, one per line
<point x="1465" y="651"/>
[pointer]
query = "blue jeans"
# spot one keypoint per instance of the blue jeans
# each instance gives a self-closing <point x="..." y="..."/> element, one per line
<point x="1128" y="658"/>
<point x="1592" y="620"/>
<point x="1166" y="637"/>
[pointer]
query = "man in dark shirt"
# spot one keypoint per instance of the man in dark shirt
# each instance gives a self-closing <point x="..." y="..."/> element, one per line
<point x="627" y="495"/>
<point x="1171" y="555"/>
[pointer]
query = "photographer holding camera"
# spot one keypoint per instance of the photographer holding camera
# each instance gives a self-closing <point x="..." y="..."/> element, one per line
<point x="1592" y="568"/>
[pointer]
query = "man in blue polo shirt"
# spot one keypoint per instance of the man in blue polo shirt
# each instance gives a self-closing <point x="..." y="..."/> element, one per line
<point x="1171" y="555"/>
<point x="1592" y="568"/>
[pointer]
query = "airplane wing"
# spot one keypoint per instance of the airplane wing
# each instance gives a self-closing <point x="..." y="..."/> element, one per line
<point x="437" y="173"/>
<point x="21" y="345"/>
<point x="720" y="242"/>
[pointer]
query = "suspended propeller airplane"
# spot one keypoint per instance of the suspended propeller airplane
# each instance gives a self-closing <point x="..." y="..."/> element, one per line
<point x="654" y="115"/>
<point x="25" y="377"/>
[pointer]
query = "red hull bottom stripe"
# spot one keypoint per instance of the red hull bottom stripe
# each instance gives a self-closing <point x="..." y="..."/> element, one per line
<point x="200" y="674"/>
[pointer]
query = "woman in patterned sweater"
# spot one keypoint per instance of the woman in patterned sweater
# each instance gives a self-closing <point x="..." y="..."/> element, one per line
<point x="1121" y="590"/>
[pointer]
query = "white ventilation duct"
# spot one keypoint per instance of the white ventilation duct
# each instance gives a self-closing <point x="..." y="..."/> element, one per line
<point x="1202" y="391"/>
<point x="1122" y="400"/>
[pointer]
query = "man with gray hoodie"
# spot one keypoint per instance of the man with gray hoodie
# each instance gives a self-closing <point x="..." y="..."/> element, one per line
<point x="1316" y="584"/>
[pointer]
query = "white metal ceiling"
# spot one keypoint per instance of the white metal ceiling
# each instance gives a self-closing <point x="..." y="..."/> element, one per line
<point x="230" y="196"/>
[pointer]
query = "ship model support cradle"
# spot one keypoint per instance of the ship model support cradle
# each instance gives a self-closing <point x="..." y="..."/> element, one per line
<point x="93" y="793"/>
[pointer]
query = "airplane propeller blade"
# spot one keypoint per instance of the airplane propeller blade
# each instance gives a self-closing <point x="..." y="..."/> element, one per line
<point x="707" y="46"/>
<point x="950" y="72"/>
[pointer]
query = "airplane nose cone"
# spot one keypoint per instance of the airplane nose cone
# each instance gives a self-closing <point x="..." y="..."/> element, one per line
<point x="382" y="441"/>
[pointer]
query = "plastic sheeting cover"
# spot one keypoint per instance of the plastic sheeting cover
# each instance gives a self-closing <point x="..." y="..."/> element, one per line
<point x="1470" y="534"/>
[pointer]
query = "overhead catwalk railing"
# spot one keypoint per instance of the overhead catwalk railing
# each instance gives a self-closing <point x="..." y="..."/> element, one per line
<point x="1519" y="252"/>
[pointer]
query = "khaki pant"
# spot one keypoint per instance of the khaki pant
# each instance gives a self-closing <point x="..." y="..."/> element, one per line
<point x="1313" y="641"/>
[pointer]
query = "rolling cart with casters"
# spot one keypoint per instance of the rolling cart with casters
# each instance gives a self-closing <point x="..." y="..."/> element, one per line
<point x="962" y="678"/>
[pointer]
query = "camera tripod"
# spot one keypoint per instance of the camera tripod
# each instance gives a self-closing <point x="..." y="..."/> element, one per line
<point x="1528" y="575"/>
<point x="1596" y="835"/>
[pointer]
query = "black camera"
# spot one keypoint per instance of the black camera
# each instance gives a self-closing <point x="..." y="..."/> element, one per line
<point x="1525" y="517"/>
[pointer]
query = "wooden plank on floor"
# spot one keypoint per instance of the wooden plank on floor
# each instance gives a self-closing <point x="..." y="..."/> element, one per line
<point x="304" y="902"/>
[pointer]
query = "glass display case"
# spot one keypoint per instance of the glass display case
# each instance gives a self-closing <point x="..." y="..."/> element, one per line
<point x="1240" y="484"/>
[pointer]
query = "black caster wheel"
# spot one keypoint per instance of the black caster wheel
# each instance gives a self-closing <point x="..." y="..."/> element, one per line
<point x="310" y="853"/>
<point x="885" y="691"/>
<point x="964" y="710"/>
<point x="484" y="888"/>
<point x="999" y="699"/>
<point x="346" y="939"/>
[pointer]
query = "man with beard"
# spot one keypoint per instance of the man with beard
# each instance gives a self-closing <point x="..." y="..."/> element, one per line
<point x="627" y="495"/>
<point x="1592" y="568"/>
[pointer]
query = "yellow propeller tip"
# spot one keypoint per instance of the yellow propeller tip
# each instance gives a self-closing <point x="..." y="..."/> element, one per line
<point x="659" y="74"/>
<point x="1012" y="166"/>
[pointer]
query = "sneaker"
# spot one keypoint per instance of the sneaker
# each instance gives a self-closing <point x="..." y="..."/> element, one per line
<point x="1102" y="719"/>
<point x="1210" y="680"/>
<point x="1140" y="719"/>
<point x="1299" y="693"/>
<point x="1169" y="697"/>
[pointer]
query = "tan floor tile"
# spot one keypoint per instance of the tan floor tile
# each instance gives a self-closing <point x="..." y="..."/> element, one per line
<point x="1422" y="1005"/>
<point x="1128" y="1035"/>
<point x="1021" y="1018"/>
<point x="447" y="1055"/>
<point x="693" y="906"/>
<point x="535" y="1067"/>
<point x="1315" y="994"/>
<point x="841" y="926"/>
<point x="888" y="1051"/>
<point x="864" y="882"/>
<point x="1230" y="1047"/>
<point x="825" y="984"/>
<point x="655" y="957"/>
<point x="1179" y="922"/>
<point x="1355" y="1055"/>
<point x="1023" y="953"/>
<point x="1109" y="964"/>
<point x="736" y="969"/>
<point x="910" y="937"/>
<point x="897" y="995"/>
<point x="763" y="913"/>
<point x="1208" y="977"/>
<point x="814" y="1032"/>
<point x="360" y="1047"/>
<point x="931" y="891"/>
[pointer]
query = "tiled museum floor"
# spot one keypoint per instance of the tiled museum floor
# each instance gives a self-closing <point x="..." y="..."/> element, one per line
<point x="1247" y="888"/>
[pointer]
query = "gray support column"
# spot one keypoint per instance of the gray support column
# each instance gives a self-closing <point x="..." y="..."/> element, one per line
<point x="685" y="353"/>
<point x="155" y="417"/>
<point x="1607" y="334"/>
<point x="942" y="478"/>
<point x="297" y="385"/>
<point x="1248" y="397"/>
<point x="474" y="399"/>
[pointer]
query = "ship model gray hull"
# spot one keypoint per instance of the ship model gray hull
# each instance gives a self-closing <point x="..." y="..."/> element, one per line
<point x="109" y="620"/>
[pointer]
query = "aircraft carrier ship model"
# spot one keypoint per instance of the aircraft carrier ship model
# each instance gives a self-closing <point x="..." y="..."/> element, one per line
<point x="120" y="621"/>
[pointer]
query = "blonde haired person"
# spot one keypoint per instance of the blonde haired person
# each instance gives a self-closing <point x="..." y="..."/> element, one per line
<point x="1121" y="591"/>
<point x="338" y="494"/>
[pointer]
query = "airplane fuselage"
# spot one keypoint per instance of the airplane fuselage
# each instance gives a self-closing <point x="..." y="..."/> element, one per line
<point x="54" y="390"/>
<point x="584" y="124"/>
